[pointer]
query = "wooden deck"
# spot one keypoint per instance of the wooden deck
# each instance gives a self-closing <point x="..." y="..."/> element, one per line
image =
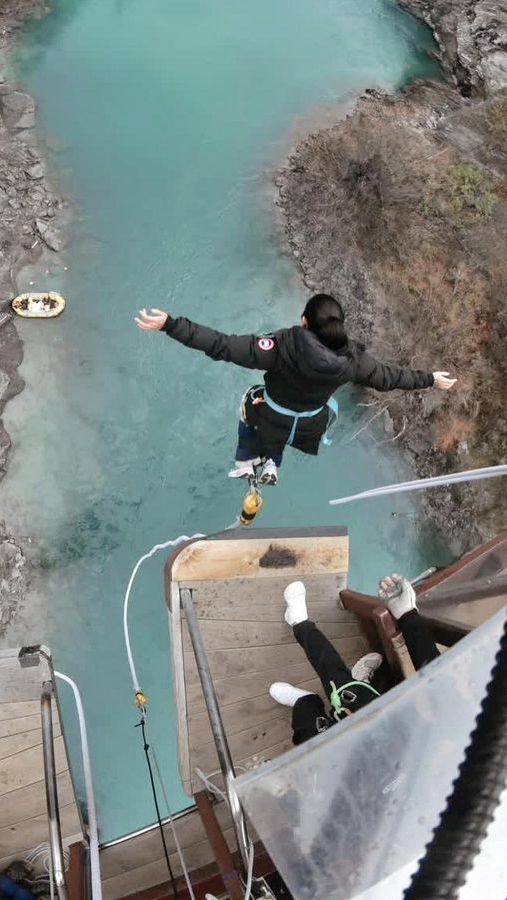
<point x="23" y="821"/>
<point x="249" y="645"/>
<point x="138" y="863"/>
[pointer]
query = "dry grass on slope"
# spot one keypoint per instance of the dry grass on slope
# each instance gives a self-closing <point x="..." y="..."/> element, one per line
<point x="411" y="233"/>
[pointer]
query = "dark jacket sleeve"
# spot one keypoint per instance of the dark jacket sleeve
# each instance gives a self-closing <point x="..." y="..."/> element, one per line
<point x="387" y="377"/>
<point x="247" y="350"/>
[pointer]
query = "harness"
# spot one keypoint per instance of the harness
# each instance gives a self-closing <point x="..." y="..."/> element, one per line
<point x="331" y="404"/>
<point x="337" y="696"/>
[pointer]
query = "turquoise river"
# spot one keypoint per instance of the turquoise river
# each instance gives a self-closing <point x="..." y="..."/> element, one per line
<point x="164" y="121"/>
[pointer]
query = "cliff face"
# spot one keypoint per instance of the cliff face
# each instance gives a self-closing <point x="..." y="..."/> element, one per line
<point x="472" y="36"/>
<point x="401" y="211"/>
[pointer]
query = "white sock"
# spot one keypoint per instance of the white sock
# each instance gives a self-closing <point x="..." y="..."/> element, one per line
<point x="287" y="694"/>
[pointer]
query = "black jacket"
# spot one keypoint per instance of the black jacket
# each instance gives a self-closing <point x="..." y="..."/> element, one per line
<point x="300" y="373"/>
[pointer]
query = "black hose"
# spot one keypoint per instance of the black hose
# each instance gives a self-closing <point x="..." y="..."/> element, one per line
<point x="471" y="806"/>
<point x="146" y="748"/>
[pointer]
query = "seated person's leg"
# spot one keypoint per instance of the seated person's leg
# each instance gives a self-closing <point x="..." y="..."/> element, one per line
<point x="308" y="718"/>
<point x="308" y="712"/>
<point x="326" y="661"/>
<point x="400" y="598"/>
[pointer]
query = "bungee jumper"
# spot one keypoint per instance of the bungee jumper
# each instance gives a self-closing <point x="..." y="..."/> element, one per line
<point x="303" y="365"/>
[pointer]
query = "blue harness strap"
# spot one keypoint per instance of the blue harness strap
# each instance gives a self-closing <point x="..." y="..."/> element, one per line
<point x="332" y="405"/>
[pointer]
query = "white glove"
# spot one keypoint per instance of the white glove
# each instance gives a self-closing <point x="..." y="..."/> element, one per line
<point x="398" y="595"/>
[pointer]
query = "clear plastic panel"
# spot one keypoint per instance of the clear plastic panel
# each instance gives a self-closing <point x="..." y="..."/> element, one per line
<point x="358" y="802"/>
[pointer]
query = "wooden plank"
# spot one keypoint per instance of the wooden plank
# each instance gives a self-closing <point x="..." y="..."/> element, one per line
<point x="17" y="743"/>
<point x="247" y="742"/>
<point x="325" y="611"/>
<point x="230" y="690"/>
<point x="23" y="684"/>
<point x="77" y="876"/>
<point x="155" y="872"/>
<point x="233" y="559"/>
<point x="144" y="848"/>
<point x="30" y="832"/>
<point x="30" y="800"/>
<point x="255" y="711"/>
<point x="27" y="768"/>
<point x="22" y="723"/>
<point x="13" y="710"/>
<point x="259" y="634"/>
<point x="225" y="595"/>
<point x="232" y="662"/>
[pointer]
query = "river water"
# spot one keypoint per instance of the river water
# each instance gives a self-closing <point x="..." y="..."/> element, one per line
<point x="165" y="119"/>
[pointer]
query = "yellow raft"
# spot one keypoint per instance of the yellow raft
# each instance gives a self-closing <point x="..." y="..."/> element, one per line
<point x="38" y="306"/>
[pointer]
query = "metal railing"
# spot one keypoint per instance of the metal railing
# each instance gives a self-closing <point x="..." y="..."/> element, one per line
<point x="48" y="750"/>
<point x="217" y="727"/>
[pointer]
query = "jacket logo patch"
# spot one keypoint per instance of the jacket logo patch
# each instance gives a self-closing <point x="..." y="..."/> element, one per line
<point x="266" y="343"/>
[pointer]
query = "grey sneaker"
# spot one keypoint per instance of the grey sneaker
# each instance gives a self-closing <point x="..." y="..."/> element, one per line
<point x="242" y="470"/>
<point x="269" y="473"/>
<point x="365" y="667"/>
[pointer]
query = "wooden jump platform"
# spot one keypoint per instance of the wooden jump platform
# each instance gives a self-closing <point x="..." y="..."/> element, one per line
<point x="23" y="817"/>
<point x="237" y="580"/>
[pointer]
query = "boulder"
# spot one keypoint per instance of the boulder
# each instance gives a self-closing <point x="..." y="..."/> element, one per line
<point x="18" y="109"/>
<point x="52" y="236"/>
<point x="36" y="171"/>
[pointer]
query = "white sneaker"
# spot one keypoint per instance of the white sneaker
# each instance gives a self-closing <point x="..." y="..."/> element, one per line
<point x="365" y="667"/>
<point x="398" y="595"/>
<point x="287" y="694"/>
<point x="295" y="598"/>
<point x="269" y="473"/>
<point x="243" y="469"/>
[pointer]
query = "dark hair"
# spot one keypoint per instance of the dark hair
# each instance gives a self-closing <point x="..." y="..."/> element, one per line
<point x="325" y="318"/>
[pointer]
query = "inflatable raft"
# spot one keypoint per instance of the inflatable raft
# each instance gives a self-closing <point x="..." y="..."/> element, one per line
<point x="38" y="306"/>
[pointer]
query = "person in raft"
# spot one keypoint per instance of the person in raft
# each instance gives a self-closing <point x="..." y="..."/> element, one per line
<point x="303" y="365"/>
<point x="346" y="690"/>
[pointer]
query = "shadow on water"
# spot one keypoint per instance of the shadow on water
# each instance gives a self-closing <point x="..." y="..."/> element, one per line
<point x="92" y="533"/>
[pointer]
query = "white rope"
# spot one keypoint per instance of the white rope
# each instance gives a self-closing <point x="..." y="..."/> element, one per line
<point x="183" y="538"/>
<point x="248" y="890"/>
<point x="96" y="884"/>
<point x="179" y="540"/>
<point x="423" y="483"/>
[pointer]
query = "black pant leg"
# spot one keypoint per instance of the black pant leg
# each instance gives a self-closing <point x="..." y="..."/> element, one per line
<point x="308" y="718"/>
<point x="326" y="661"/>
<point x="329" y="665"/>
<point x="418" y="639"/>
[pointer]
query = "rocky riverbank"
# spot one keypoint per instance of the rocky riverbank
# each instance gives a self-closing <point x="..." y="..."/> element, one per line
<point x="401" y="210"/>
<point x="33" y="216"/>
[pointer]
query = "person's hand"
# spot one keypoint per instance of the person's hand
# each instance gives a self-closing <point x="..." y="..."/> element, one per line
<point x="151" y="321"/>
<point x="443" y="382"/>
<point x="398" y="595"/>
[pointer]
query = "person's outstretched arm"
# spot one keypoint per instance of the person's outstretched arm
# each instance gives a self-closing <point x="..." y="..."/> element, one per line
<point x="400" y="599"/>
<point x="386" y="377"/>
<point x="247" y="350"/>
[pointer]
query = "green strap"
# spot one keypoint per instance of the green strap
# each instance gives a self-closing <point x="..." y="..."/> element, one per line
<point x="335" y="697"/>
